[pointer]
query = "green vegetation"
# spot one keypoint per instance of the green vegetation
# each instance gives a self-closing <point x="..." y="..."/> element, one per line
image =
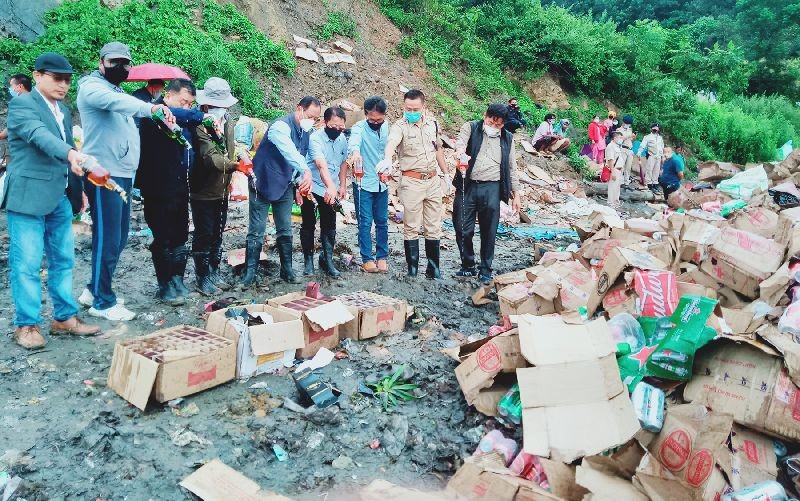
<point x="652" y="71"/>
<point x="338" y="23"/>
<point x="393" y="390"/>
<point x="199" y="36"/>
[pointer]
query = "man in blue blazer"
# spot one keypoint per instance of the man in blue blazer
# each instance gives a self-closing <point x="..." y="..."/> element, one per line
<point x="43" y="190"/>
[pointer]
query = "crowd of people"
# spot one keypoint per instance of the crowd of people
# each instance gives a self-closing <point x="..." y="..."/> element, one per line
<point x="175" y="143"/>
<point x="160" y="141"/>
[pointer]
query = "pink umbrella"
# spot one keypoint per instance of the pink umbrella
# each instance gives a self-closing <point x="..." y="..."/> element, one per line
<point x="154" y="71"/>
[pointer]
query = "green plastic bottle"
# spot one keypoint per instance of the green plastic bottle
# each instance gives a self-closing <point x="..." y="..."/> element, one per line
<point x="173" y="131"/>
<point x="510" y="406"/>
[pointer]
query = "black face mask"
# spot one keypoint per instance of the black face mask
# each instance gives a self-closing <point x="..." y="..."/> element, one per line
<point x="333" y="133"/>
<point x="375" y="126"/>
<point x="115" y="74"/>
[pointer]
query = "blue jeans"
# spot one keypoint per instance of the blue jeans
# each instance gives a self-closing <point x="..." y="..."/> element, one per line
<point x="111" y="218"/>
<point x="30" y="237"/>
<point x="258" y="209"/>
<point x="372" y="207"/>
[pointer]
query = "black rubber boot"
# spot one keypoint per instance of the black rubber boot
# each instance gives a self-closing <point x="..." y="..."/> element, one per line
<point x="202" y="269"/>
<point x="326" y="258"/>
<point x="166" y="290"/>
<point x="178" y="257"/>
<point x="251" y="258"/>
<point x="216" y="278"/>
<point x="412" y="256"/>
<point x="432" y="253"/>
<point x="284" y="245"/>
<point x="307" y="244"/>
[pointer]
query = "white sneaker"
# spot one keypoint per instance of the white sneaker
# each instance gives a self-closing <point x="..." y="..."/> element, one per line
<point x="116" y="313"/>
<point x="87" y="298"/>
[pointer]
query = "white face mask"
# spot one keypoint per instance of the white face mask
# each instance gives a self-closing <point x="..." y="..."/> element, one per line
<point x="306" y="123"/>
<point x="491" y="131"/>
<point x="219" y="113"/>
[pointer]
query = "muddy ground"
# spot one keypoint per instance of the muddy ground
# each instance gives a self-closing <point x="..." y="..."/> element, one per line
<point x="71" y="440"/>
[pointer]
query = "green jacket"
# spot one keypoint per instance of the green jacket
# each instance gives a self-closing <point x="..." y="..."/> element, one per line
<point x="212" y="170"/>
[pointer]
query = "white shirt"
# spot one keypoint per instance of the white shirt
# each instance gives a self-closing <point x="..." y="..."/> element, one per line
<point x="56" y="111"/>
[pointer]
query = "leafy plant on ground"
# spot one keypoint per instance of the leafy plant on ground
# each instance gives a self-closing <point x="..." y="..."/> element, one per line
<point x="224" y="44"/>
<point x="393" y="390"/>
<point x="338" y="23"/>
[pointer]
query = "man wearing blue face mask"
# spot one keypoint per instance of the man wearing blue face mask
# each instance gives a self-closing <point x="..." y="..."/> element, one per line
<point x="280" y="158"/>
<point x="18" y="85"/>
<point x="419" y="151"/>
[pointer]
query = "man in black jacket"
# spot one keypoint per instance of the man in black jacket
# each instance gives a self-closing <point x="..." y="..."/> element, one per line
<point x="487" y="152"/>
<point x="163" y="177"/>
<point x="514" y="120"/>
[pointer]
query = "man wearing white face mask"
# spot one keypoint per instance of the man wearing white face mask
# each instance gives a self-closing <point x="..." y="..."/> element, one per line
<point x="280" y="158"/>
<point x="18" y="85"/>
<point x="489" y="177"/>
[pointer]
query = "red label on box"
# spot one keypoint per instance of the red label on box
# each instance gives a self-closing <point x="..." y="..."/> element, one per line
<point x="675" y="450"/>
<point x="699" y="468"/>
<point x="796" y="406"/>
<point x="489" y="357"/>
<point x="315" y="336"/>
<point x="385" y="316"/>
<point x="195" y="378"/>
<point x="480" y="489"/>
<point x="658" y="292"/>
<point x="751" y="451"/>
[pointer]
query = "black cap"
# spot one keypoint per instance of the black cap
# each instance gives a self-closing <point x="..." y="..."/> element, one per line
<point x="655" y="126"/>
<point x="51" y="61"/>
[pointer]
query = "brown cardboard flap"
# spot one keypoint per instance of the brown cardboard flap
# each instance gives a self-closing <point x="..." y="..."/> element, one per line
<point x="132" y="376"/>
<point x="578" y="382"/>
<point x="381" y="490"/>
<point x="604" y="485"/>
<point x="549" y="340"/>
<point x="329" y="315"/>
<point x="215" y="481"/>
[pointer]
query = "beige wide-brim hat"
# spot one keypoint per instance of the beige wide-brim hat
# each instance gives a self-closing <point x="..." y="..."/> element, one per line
<point x="216" y="93"/>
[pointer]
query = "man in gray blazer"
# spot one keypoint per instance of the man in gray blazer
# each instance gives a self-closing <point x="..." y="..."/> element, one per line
<point x="43" y="190"/>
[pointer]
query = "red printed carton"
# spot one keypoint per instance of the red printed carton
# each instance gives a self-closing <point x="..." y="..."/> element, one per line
<point x="170" y="363"/>
<point x="374" y="314"/>
<point x="657" y="291"/>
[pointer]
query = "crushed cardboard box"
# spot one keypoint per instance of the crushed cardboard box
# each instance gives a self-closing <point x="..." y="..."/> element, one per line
<point x="170" y="363"/>
<point x="321" y="319"/>
<point x="216" y="481"/>
<point x="574" y="402"/>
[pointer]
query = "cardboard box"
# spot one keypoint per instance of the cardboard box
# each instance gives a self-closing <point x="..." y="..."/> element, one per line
<point x="751" y="460"/>
<point x="726" y="273"/>
<point x="216" y="481"/>
<point x="690" y="446"/>
<point x="574" y="402"/>
<point x="494" y="355"/>
<point x="260" y="348"/>
<point x="321" y="319"/>
<point x="170" y="363"/>
<point x="750" y="253"/>
<point x="717" y="171"/>
<point x="748" y="383"/>
<point x="517" y="299"/>
<point x="374" y="314"/>
<point x="758" y="220"/>
<point x="472" y="482"/>
<point x="696" y="239"/>
<point x="617" y="262"/>
<point x="569" y="283"/>
<point x="381" y="490"/>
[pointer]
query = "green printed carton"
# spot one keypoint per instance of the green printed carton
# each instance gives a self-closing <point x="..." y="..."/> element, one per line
<point x="672" y="357"/>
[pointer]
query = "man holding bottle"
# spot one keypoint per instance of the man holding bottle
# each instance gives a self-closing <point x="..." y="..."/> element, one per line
<point x="419" y="151"/>
<point x="279" y="164"/>
<point x="43" y="191"/>
<point x="111" y="137"/>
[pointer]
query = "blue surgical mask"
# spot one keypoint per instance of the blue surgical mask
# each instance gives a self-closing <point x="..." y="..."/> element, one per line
<point x="413" y="116"/>
<point x="13" y="92"/>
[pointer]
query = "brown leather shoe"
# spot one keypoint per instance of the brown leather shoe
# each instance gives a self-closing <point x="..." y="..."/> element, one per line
<point x="369" y="267"/>
<point x="383" y="266"/>
<point x="28" y="337"/>
<point x="74" y="327"/>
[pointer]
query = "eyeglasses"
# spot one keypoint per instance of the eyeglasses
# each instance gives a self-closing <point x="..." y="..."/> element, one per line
<point x="59" y="77"/>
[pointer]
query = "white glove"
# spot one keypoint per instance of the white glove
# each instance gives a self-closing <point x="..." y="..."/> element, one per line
<point x="383" y="166"/>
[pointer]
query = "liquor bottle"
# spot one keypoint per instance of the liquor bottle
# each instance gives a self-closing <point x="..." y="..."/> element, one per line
<point x="208" y="123"/>
<point x="99" y="176"/>
<point x="358" y="172"/>
<point x="174" y="131"/>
